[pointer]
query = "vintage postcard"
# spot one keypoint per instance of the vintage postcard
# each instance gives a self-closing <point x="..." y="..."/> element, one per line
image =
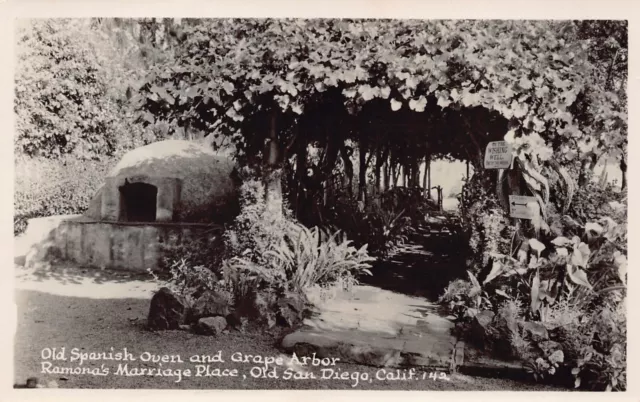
<point x="320" y="202"/>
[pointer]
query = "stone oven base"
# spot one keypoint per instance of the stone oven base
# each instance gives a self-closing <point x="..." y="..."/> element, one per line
<point x="108" y="245"/>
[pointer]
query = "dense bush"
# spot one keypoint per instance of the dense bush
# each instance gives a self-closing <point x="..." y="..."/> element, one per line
<point x="594" y="200"/>
<point x="207" y="250"/>
<point x="45" y="187"/>
<point x="273" y="260"/>
<point x="574" y="287"/>
<point x="385" y="223"/>
<point x="61" y="89"/>
<point x="485" y="223"/>
<point x="73" y="84"/>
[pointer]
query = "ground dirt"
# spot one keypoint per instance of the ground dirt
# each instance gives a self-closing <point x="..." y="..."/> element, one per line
<point x="94" y="311"/>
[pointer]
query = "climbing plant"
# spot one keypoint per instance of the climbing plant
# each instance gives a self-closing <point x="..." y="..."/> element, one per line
<point x="535" y="74"/>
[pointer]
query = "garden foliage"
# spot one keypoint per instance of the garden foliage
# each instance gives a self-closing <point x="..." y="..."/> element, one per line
<point x="573" y="286"/>
<point x="65" y="97"/>
<point x="270" y="262"/>
<point x="46" y="187"/>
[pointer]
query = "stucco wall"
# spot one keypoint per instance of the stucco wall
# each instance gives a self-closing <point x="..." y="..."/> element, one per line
<point x="130" y="247"/>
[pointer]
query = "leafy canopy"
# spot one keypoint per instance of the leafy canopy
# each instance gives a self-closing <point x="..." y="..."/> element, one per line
<point x="537" y="74"/>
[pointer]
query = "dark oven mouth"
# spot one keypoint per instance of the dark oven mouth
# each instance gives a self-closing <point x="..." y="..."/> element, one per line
<point x="138" y="202"/>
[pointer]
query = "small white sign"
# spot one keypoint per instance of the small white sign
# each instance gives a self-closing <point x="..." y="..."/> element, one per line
<point x="498" y="155"/>
<point x="523" y="207"/>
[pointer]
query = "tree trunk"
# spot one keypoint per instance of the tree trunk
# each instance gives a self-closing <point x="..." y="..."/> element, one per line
<point x="328" y="162"/>
<point x="588" y="164"/>
<point x="362" y="170"/>
<point x="385" y="181"/>
<point x="348" y="169"/>
<point x="405" y="176"/>
<point x="623" y="168"/>
<point x="301" y="174"/>
<point x="428" y="173"/>
<point x="273" y="176"/>
<point x="424" y="177"/>
<point x="376" y="188"/>
<point x="582" y="177"/>
<point x="394" y="176"/>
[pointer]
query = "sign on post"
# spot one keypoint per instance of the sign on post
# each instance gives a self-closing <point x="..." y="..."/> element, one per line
<point x="523" y="207"/>
<point x="498" y="155"/>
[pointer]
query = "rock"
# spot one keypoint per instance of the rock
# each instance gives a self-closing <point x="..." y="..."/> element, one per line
<point x="167" y="310"/>
<point x="209" y="304"/>
<point x="233" y="321"/>
<point x="210" y="326"/>
<point x="483" y="319"/>
<point x="291" y="309"/>
<point x="480" y="325"/>
<point x="535" y="330"/>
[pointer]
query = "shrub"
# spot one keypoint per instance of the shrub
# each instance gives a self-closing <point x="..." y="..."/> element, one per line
<point x="45" y="187"/>
<point x="206" y="250"/>
<point x="272" y="260"/>
<point x="311" y="257"/>
<point x="61" y="91"/>
<point x="189" y="281"/>
<point x="305" y="258"/>
<point x="71" y="91"/>
<point x="592" y="201"/>
<point x="384" y="223"/>
<point x="257" y="227"/>
<point x="602" y="354"/>
<point x="575" y="287"/>
<point x="484" y="222"/>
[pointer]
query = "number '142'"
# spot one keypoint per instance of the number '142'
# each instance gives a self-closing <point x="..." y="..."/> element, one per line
<point x="433" y="375"/>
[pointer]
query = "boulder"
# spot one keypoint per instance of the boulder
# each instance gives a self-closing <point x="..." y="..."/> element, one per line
<point x="167" y="310"/>
<point x="211" y="326"/>
<point x="209" y="304"/>
<point x="480" y="325"/>
<point x="535" y="330"/>
<point x="234" y="321"/>
<point x="292" y="309"/>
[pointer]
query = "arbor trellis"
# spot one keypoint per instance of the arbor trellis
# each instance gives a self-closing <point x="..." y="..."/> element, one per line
<point x="276" y="87"/>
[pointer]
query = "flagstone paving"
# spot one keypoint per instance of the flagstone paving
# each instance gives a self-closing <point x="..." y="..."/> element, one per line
<point x="377" y="327"/>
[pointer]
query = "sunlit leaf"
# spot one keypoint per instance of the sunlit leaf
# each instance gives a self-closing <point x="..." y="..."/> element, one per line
<point x="536" y="245"/>
<point x="561" y="241"/>
<point x="395" y="105"/>
<point x="578" y="276"/>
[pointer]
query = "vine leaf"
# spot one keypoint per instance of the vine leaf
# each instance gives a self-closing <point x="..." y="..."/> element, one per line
<point x="395" y="105"/>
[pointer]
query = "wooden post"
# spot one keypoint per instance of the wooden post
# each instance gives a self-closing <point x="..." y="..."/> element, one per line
<point x="429" y="178"/>
<point x="424" y="179"/>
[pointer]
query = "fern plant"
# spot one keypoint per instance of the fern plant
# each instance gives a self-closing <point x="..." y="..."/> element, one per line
<point x="310" y="257"/>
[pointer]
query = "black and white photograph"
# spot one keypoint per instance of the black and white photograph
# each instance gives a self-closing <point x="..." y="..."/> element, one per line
<point x="320" y="203"/>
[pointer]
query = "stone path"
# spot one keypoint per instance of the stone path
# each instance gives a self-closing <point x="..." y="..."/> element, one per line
<point x="377" y="327"/>
<point x="390" y="321"/>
